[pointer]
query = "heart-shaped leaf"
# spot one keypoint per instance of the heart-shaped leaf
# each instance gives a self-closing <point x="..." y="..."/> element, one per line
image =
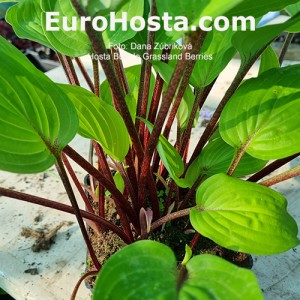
<point x="37" y="120"/>
<point x="142" y="270"/>
<point x="243" y="216"/>
<point x="262" y="118"/>
<point x="148" y="270"/>
<point x="99" y="121"/>
<point x="211" y="277"/>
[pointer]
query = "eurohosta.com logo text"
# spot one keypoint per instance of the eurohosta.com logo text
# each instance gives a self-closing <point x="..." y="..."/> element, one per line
<point x="56" y="22"/>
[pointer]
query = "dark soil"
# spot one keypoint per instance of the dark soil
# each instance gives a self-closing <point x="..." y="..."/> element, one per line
<point x="175" y="236"/>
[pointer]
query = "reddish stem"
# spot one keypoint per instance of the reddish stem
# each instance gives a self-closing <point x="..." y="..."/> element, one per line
<point x="65" y="208"/>
<point x="82" y="278"/>
<point x="69" y="69"/>
<point x="271" y="168"/>
<point x="85" y="74"/>
<point x="195" y="241"/>
<point x="111" y="187"/>
<point x="65" y="180"/>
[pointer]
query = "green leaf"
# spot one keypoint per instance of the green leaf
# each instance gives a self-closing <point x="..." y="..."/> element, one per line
<point x="147" y="270"/>
<point x="36" y="119"/>
<point x="257" y="8"/>
<point x="269" y="60"/>
<point x="133" y="75"/>
<point x="142" y="270"/>
<point x="186" y="105"/>
<point x="71" y="43"/>
<point x="216" y="157"/>
<point x="102" y="7"/>
<point x="137" y="44"/>
<point x="25" y="18"/>
<point x="118" y="179"/>
<point x="216" y="8"/>
<point x="211" y="277"/>
<point x="219" y="51"/>
<point x="243" y="216"/>
<point x="133" y="8"/>
<point x="189" y="9"/>
<point x="293" y="9"/>
<point x="99" y="121"/>
<point x="170" y="158"/>
<point x="188" y="255"/>
<point x="262" y="118"/>
<point x="251" y="43"/>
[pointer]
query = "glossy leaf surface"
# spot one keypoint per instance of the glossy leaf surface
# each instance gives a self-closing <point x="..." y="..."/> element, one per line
<point x="25" y="18"/>
<point x="211" y="277"/>
<point x="170" y="158"/>
<point x="142" y="270"/>
<point x="148" y="270"/>
<point x="244" y="216"/>
<point x="251" y="43"/>
<point x="269" y="60"/>
<point x="71" y="43"/>
<point x="99" y="121"/>
<point x="262" y="118"/>
<point x="216" y="157"/>
<point x="37" y="120"/>
<point x="217" y="52"/>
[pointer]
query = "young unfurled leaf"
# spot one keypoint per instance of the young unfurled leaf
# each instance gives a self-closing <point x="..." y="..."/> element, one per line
<point x="170" y="158"/>
<point x="188" y="255"/>
<point x="37" y="120"/>
<point x="244" y="216"/>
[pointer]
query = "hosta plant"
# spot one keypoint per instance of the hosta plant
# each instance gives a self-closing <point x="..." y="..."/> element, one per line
<point x="215" y="190"/>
